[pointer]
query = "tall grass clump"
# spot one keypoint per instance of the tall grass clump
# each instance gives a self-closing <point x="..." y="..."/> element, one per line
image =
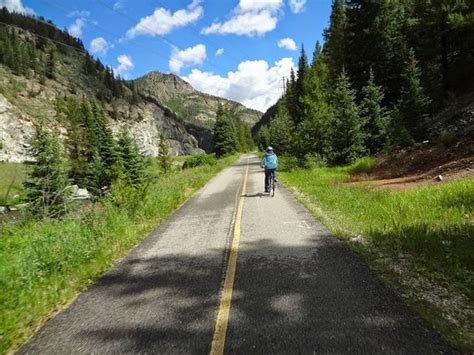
<point x="362" y="166"/>
<point x="199" y="160"/>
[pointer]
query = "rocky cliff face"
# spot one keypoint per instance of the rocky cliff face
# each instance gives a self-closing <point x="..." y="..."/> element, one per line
<point x="24" y="100"/>
<point x="15" y="130"/>
<point x="191" y="105"/>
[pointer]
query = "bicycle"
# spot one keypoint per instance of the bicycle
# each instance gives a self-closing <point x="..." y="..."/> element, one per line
<point x="272" y="184"/>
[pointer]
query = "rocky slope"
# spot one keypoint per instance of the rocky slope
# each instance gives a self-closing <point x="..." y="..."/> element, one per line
<point x="23" y="100"/>
<point x="188" y="103"/>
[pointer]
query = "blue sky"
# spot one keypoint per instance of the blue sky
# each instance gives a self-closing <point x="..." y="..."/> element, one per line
<point x="238" y="49"/>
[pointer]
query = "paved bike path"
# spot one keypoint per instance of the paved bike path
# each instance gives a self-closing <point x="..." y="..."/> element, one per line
<point x="297" y="289"/>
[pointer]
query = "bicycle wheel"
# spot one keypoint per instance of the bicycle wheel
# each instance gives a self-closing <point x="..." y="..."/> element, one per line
<point x="273" y="186"/>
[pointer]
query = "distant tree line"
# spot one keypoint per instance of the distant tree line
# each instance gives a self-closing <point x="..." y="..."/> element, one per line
<point x="231" y="133"/>
<point x="386" y="67"/>
<point x="41" y="55"/>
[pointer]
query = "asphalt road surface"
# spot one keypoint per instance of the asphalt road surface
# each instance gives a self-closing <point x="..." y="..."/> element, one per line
<point x="296" y="289"/>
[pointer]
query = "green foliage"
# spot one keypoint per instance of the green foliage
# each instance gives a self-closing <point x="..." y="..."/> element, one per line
<point x="413" y="107"/>
<point x="446" y="138"/>
<point x="12" y="176"/>
<point x="46" y="263"/>
<point x="362" y="166"/>
<point x="47" y="183"/>
<point x="374" y="115"/>
<point x="132" y="160"/>
<point x="345" y="128"/>
<point x="166" y="161"/>
<point x="370" y="41"/>
<point x="199" y="160"/>
<point x="225" y="135"/>
<point x="312" y="161"/>
<point x="244" y="137"/>
<point x="335" y="40"/>
<point x="288" y="163"/>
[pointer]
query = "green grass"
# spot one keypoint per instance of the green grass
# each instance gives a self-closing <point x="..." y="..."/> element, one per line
<point x="432" y="225"/>
<point x="12" y="176"/>
<point x="44" y="264"/>
<point x="365" y="165"/>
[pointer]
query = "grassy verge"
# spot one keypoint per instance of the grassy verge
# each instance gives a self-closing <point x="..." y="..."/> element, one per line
<point x="12" y="176"/>
<point x="44" y="264"/>
<point x="420" y="240"/>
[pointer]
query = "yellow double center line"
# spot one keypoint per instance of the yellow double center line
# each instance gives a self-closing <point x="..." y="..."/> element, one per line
<point x="218" y="341"/>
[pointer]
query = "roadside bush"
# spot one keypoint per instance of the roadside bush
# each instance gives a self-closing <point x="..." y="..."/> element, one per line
<point x="288" y="163"/>
<point x="198" y="160"/>
<point x="312" y="161"/>
<point x="364" y="165"/>
<point x="446" y="138"/>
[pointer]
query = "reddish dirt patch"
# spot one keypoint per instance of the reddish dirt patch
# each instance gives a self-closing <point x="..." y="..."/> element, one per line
<point x="422" y="164"/>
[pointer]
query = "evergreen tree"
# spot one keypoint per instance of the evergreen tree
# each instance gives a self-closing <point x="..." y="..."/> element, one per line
<point x="299" y="111"/>
<point x="335" y="40"/>
<point x="312" y="135"/>
<point x="131" y="159"/>
<point x="47" y="184"/>
<point x="374" y="116"/>
<point x="375" y="40"/>
<point x="281" y="131"/>
<point x="166" y="161"/>
<point x="412" y="110"/>
<point x="225" y="135"/>
<point x="345" y="129"/>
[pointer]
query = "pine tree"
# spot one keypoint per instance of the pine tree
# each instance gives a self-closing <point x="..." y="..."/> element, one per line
<point x="166" y="161"/>
<point x="225" y="135"/>
<point x="281" y="131"/>
<point x="47" y="184"/>
<point x="412" y="110"/>
<point x="131" y="159"/>
<point x="345" y="129"/>
<point x="312" y="134"/>
<point x="300" y="109"/>
<point x="374" y="115"/>
<point x="335" y="40"/>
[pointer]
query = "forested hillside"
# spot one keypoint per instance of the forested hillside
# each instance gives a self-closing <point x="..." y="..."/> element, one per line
<point x="385" y="72"/>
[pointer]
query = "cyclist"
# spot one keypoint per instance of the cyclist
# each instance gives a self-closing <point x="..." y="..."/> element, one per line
<point x="270" y="164"/>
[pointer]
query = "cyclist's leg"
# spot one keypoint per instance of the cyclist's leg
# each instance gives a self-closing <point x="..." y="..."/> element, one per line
<point x="274" y="174"/>
<point x="267" y="180"/>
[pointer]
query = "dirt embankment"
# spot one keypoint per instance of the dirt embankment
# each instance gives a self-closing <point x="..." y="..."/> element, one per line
<point x="422" y="164"/>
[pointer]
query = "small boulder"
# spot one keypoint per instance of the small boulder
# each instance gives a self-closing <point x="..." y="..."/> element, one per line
<point x="79" y="194"/>
<point x="3" y="210"/>
<point x="439" y="178"/>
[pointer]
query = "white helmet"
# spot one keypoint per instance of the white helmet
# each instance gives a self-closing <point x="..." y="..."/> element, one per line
<point x="269" y="149"/>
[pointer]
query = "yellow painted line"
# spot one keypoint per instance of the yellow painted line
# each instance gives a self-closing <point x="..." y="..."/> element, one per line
<point x="218" y="341"/>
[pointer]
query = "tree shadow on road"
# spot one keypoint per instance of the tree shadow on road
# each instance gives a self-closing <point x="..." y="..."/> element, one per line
<point x="313" y="297"/>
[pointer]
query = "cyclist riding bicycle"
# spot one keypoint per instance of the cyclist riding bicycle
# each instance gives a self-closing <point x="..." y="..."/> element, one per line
<point x="270" y="164"/>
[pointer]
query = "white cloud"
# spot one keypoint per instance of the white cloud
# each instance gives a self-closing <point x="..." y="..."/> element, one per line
<point x="255" y="84"/>
<point x="118" y="5"/>
<point x="125" y="65"/>
<point x="297" y="6"/>
<point x="287" y="43"/>
<point x="15" y="6"/>
<point x="75" y="29"/>
<point x="100" y="45"/>
<point x="77" y="13"/>
<point x="219" y="52"/>
<point x="250" y="18"/>
<point x="162" y="21"/>
<point x="188" y="56"/>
